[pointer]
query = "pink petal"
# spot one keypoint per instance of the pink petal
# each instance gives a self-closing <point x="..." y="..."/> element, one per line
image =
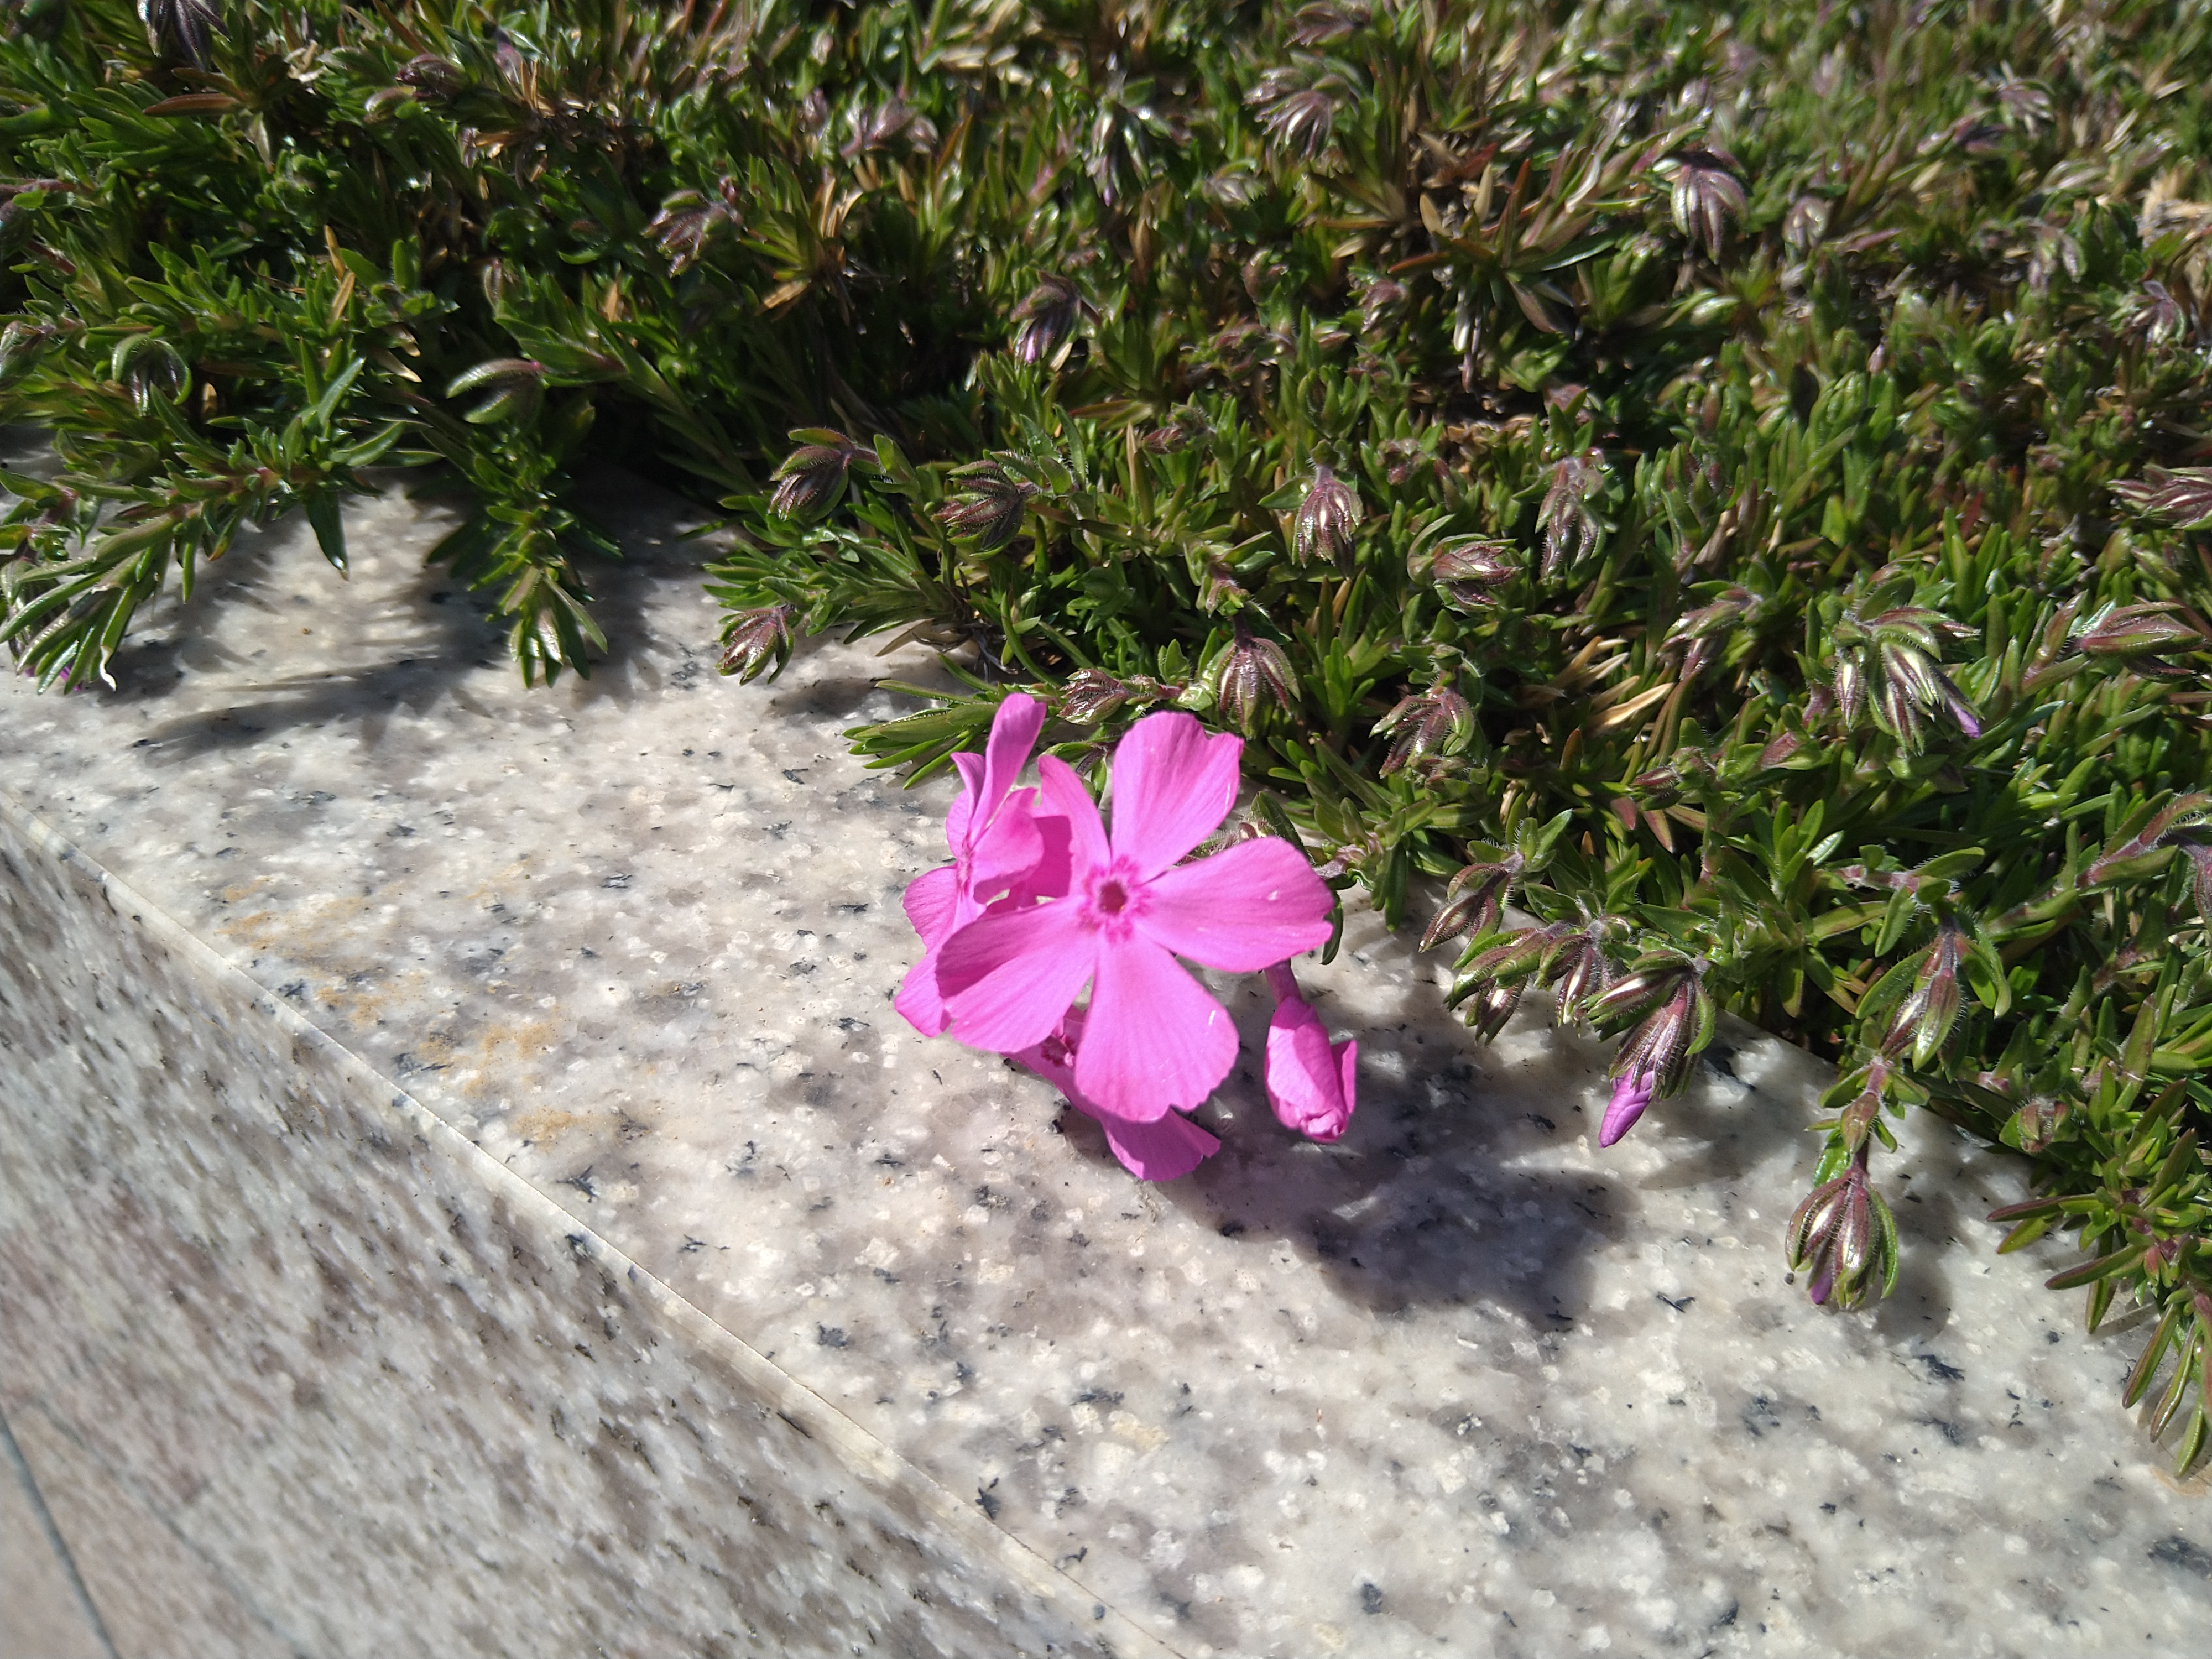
<point x="1008" y="847"/>
<point x="1173" y="785"/>
<point x="1063" y="793"/>
<point x="930" y="901"/>
<point x="1630" y="1095"/>
<point x="1309" y="1084"/>
<point x="1165" y="1150"/>
<point x="1051" y="876"/>
<point x="1014" y="730"/>
<point x="1258" y="903"/>
<point x="1153" y="1038"/>
<point x="1007" y="979"/>
<point x="918" y="1000"/>
<point x="962" y="813"/>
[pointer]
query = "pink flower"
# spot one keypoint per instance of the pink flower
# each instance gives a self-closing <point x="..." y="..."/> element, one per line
<point x="1003" y="853"/>
<point x="1165" y="1149"/>
<point x="1631" y="1093"/>
<point x="1312" y="1085"/>
<point x="1152" y="1038"/>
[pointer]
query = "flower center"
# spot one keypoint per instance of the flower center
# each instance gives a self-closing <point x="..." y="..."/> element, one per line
<point x="1113" y="899"/>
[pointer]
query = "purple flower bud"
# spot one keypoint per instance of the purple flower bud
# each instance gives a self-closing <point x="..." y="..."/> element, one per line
<point x="1570" y="527"/>
<point x="1844" y="1234"/>
<point x="2135" y="630"/>
<point x="1487" y="1011"/>
<point x="989" y="507"/>
<point x="1218" y="586"/>
<point x="1182" y="429"/>
<point x="1474" y="900"/>
<point x="1254" y="671"/>
<point x="1580" y="968"/>
<point x="1317" y="25"/>
<point x="688" y="222"/>
<point x="892" y="125"/>
<point x="1805" y="224"/>
<point x="433" y="79"/>
<point x="1046" y="319"/>
<point x="2183" y="496"/>
<point x="756" y="641"/>
<point x="1298" y="117"/>
<point x="1326" y="520"/>
<point x="1706" y="196"/>
<point x="1090" y="695"/>
<point x="1467" y="569"/>
<point x="1430" y="727"/>
<point x="1925" y="1019"/>
<point x="1631" y="1093"/>
<point x="812" y="478"/>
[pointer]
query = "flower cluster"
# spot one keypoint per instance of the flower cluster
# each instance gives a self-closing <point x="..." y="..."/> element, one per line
<point x="1041" y="900"/>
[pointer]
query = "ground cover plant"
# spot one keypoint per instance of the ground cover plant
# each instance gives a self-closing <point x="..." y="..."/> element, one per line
<point x="1693" y="507"/>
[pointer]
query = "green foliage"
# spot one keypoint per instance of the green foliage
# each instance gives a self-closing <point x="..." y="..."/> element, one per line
<point x="1729" y="481"/>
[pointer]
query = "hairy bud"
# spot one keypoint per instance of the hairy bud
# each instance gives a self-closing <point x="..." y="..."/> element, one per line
<point x="1475" y="900"/>
<point x="813" y="477"/>
<point x="1253" y="672"/>
<point x="756" y="641"/>
<point x="1044" y="321"/>
<point x="1467" y="569"/>
<point x="1844" y="1234"/>
<point x="1429" y="727"/>
<point x="1706" y="196"/>
<point x="188" y="26"/>
<point x="431" y="78"/>
<point x="989" y="507"/>
<point x="1326" y="520"/>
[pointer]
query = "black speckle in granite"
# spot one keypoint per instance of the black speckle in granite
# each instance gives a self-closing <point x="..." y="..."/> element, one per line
<point x="1371" y="1598"/>
<point x="2180" y="1552"/>
<point x="1938" y="1372"/>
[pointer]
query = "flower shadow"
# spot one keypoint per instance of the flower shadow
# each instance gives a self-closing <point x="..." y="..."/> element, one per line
<point x="1450" y="1187"/>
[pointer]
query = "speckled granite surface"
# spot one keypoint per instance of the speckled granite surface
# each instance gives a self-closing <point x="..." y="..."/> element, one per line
<point x="602" y="976"/>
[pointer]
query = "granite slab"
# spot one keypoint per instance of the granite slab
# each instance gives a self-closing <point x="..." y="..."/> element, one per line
<point x="384" y="1037"/>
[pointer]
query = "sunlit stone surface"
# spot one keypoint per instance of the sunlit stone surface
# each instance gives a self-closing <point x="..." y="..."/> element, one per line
<point x="462" y="1188"/>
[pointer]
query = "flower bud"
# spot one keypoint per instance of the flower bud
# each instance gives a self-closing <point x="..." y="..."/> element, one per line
<point x="812" y="477"/>
<point x="1326" y="520"/>
<point x="512" y="386"/>
<point x="1467" y="569"/>
<point x="1090" y="695"/>
<point x="1925" y="1019"/>
<point x="1706" y="196"/>
<point x="186" y="26"/>
<point x="1474" y="900"/>
<point x="1844" y="1234"/>
<point x="989" y="507"/>
<point x="2133" y="631"/>
<point x="1430" y="726"/>
<point x="1570" y="527"/>
<point x="1252" y="672"/>
<point x="1045" y="319"/>
<point x="432" y="79"/>
<point x="1487" y="1011"/>
<point x="756" y="641"/>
